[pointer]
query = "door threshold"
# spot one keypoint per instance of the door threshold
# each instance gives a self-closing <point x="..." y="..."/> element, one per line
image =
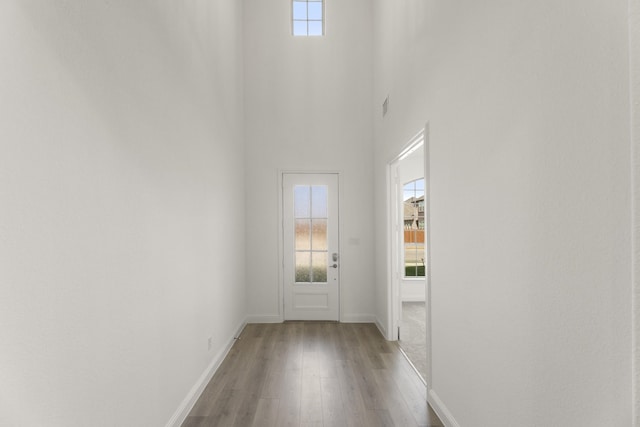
<point x="412" y="365"/>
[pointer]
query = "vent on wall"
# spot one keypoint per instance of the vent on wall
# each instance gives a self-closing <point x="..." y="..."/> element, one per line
<point x="385" y="106"/>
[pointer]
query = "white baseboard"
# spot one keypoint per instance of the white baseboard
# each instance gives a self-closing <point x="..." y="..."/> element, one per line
<point x="194" y="394"/>
<point x="345" y="318"/>
<point x="441" y="410"/>
<point x="268" y="318"/>
<point x="413" y="299"/>
<point x="381" y="328"/>
<point x="357" y="318"/>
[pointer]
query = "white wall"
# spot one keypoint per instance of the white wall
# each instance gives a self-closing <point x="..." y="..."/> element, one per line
<point x="409" y="169"/>
<point x="529" y="115"/>
<point x="121" y="206"/>
<point x="308" y="108"/>
<point x="634" y="51"/>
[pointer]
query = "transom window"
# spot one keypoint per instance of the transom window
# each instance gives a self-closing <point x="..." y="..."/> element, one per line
<point x="308" y="17"/>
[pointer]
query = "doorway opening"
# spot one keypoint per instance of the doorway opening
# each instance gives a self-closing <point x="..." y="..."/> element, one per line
<point x="409" y="253"/>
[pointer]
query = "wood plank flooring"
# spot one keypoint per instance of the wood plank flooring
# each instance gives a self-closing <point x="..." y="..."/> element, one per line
<point x="320" y="374"/>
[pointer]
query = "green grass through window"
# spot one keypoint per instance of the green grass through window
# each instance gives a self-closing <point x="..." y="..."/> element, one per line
<point x="413" y="271"/>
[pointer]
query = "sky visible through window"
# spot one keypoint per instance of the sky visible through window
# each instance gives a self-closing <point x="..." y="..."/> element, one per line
<point x="308" y="19"/>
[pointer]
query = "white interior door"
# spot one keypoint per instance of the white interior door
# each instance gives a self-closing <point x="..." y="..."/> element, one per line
<point x="311" y="243"/>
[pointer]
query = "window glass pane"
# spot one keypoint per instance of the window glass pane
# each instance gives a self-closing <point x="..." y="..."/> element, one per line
<point x="413" y="196"/>
<point x="411" y="216"/>
<point x="414" y="260"/>
<point x="408" y="194"/>
<point x="302" y="201"/>
<point x="299" y="28"/>
<point x="315" y="10"/>
<point x="303" y="235"/>
<point x="319" y="234"/>
<point x="300" y="10"/>
<point x="319" y="201"/>
<point x="315" y="28"/>
<point x="319" y="262"/>
<point x="303" y="267"/>
<point x="307" y="17"/>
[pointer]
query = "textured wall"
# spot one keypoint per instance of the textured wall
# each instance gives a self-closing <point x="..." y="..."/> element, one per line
<point x="528" y="109"/>
<point x="121" y="206"/>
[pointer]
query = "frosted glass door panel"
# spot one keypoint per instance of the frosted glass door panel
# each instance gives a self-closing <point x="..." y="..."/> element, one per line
<point x="310" y="211"/>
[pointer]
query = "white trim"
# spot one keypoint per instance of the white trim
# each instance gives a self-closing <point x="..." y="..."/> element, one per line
<point x="392" y="169"/>
<point x="441" y="410"/>
<point x="413" y="299"/>
<point x="280" y="240"/>
<point x="428" y="248"/>
<point x="193" y="395"/>
<point x="341" y="251"/>
<point x="634" y="105"/>
<point x="394" y="284"/>
<point x="357" y="318"/>
<point x="410" y="146"/>
<point x="265" y="318"/>
<point x="344" y="318"/>
<point x="412" y="290"/>
<point x="394" y="287"/>
<point x="382" y="329"/>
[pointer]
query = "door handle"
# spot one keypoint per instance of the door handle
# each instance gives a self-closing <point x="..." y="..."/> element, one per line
<point x="334" y="266"/>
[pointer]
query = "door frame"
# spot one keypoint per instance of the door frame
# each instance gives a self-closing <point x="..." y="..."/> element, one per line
<point x="281" y="258"/>
<point x="634" y="73"/>
<point x="394" y="282"/>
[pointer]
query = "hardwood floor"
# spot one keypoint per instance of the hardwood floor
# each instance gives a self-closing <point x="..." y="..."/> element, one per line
<point x="318" y="374"/>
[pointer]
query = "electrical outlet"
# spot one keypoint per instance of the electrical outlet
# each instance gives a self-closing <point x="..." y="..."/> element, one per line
<point x="210" y="343"/>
